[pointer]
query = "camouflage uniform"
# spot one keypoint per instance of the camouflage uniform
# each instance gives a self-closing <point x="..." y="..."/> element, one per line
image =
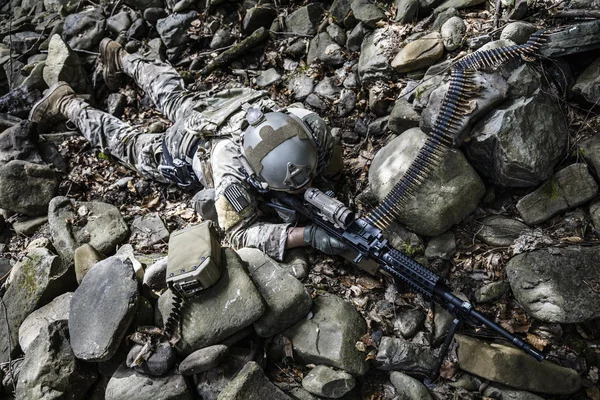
<point x="205" y="133"/>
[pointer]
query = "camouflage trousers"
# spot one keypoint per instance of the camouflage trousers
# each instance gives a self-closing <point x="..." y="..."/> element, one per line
<point x="138" y="150"/>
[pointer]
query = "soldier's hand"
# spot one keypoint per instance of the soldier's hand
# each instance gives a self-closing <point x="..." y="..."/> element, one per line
<point x="319" y="239"/>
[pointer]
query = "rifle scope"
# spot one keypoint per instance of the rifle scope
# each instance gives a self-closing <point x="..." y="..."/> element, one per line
<point x="333" y="210"/>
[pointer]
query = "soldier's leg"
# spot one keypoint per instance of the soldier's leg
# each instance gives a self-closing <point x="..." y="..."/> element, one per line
<point x="138" y="151"/>
<point x="159" y="80"/>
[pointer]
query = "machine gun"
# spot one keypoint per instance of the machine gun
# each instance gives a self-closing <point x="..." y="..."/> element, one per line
<point x="368" y="244"/>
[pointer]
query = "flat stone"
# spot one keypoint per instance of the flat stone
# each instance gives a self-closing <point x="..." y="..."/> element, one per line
<point x="234" y="295"/>
<point x="356" y="36"/>
<point x="406" y="10"/>
<point x="85" y="257"/>
<point x="160" y="362"/>
<point x="56" y="310"/>
<point x="286" y="298"/>
<point x="458" y="4"/>
<point x="327" y="382"/>
<point x="203" y="360"/>
<point x="442" y="18"/>
<point x="154" y="277"/>
<point x="490" y="292"/>
<point x="50" y="369"/>
<point x="304" y="20"/>
<point x="451" y="192"/>
<point x="330" y="335"/>
<point x="403" y="117"/>
<point x="519" y="143"/>
<point x="453" y="32"/>
<point x="588" y="83"/>
<point x="148" y="230"/>
<point x="295" y="261"/>
<point x="408" y="388"/>
<point x="500" y="231"/>
<point x="102" y="308"/>
<point x="209" y="384"/>
<point x="27" y="188"/>
<point x="85" y="30"/>
<point x="301" y="86"/>
<point x="257" y="17"/>
<point x="251" y="383"/>
<point x="397" y="354"/>
<point x="221" y="38"/>
<point x="119" y="22"/>
<point x="518" y="31"/>
<point x="442" y="246"/>
<point x="366" y="12"/>
<point x="511" y="366"/>
<point x="408" y="322"/>
<point x="373" y="64"/>
<point x="580" y="37"/>
<point x="337" y="33"/>
<point x="173" y="28"/>
<point x="568" y="188"/>
<point x="497" y="391"/>
<point x="328" y="88"/>
<point x="99" y="224"/>
<point x="550" y="285"/>
<point x="420" y="53"/>
<point x="30" y="226"/>
<point x="129" y="384"/>
<point x="323" y="48"/>
<point x="268" y="77"/>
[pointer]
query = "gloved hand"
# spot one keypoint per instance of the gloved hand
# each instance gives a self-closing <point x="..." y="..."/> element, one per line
<point x="319" y="239"/>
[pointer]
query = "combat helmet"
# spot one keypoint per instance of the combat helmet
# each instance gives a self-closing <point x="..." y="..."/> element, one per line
<point x="279" y="149"/>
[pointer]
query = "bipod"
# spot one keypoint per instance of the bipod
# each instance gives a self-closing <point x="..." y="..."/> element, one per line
<point x="435" y="372"/>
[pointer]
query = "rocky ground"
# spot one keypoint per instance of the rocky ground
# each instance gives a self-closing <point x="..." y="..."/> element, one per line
<point x="510" y="217"/>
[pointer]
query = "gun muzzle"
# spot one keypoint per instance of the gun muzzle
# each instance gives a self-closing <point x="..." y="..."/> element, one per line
<point x="331" y="209"/>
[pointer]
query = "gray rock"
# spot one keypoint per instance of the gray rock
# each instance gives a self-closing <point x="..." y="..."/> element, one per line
<point x="580" y="37"/>
<point x="323" y="48"/>
<point x="153" y="14"/>
<point x="367" y="13"/>
<point x="85" y="257"/>
<point x="356" y="36"/>
<point x="34" y="282"/>
<point x="588" y="83"/>
<point x="301" y="86"/>
<point x="420" y="53"/>
<point x="173" y="28"/>
<point x="160" y="362"/>
<point x="550" y="285"/>
<point x="27" y="188"/>
<point x="379" y="100"/>
<point x="568" y="188"/>
<point x="442" y="17"/>
<point x="350" y="82"/>
<point x="257" y="17"/>
<point x="497" y="391"/>
<point x="154" y="277"/>
<point x="148" y="230"/>
<point x="268" y="77"/>
<point x="304" y="20"/>
<point x="403" y="117"/>
<point x="84" y="30"/>
<point x="327" y="382"/>
<point x="339" y="10"/>
<point x="102" y="308"/>
<point x="50" y="369"/>
<point x="329" y="336"/>
<point x="328" y="88"/>
<point x="286" y="298"/>
<point x="54" y="5"/>
<point x="373" y="64"/>
<point x="251" y="383"/>
<point x="5" y="266"/>
<point x="594" y="214"/>
<point x="347" y="102"/>
<point x="500" y="231"/>
<point x="23" y="42"/>
<point x="511" y="366"/>
<point x="221" y="38"/>
<point x="442" y="320"/>
<point x="119" y="22"/>
<point x="524" y="81"/>
<point x="99" y="224"/>
<point x="456" y="182"/>
<point x="408" y="322"/>
<point x="442" y="246"/>
<point x="115" y="104"/>
<point x="378" y="127"/>
<point x="29" y="226"/>
<point x="494" y="89"/>
<point x="518" y="32"/>
<point x="129" y="384"/>
<point x="458" y="4"/>
<point x="299" y="393"/>
<point x="590" y="150"/>
<point x="406" y="10"/>
<point x="211" y="383"/>
<point x="408" y="388"/>
<point x="296" y="49"/>
<point x="63" y="64"/>
<point x="490" y="292"/>
<point x="519" y="144"/>
<point x="203" y="360"/>
<point x="337" y="33"/>
<point x="453" y="32"/>
<point x="234" y="295"/>
<point x="138" y="30"/>
<point x="16" y="142"/>
<point x="397" y="354"/>
<point x="295" y="262"/>
<point x="40" y="319"/>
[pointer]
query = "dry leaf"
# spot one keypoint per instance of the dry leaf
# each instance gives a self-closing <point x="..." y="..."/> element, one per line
<point x="369" y="283"/>
<point x="573" y="239"/>
<point x="152" y="202"/>
<point x="448" y="370"/>
<point x="536" y="341"/>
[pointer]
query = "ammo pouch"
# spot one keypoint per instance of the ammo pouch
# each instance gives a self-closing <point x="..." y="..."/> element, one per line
<point x="194" y="261"/>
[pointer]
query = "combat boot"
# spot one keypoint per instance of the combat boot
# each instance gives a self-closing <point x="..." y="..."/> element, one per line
<point x="112" y="65"/>
<point x="55" y="106"/>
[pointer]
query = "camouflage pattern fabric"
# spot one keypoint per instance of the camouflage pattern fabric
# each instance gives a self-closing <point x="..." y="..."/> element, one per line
<point x="214" y="118"/>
